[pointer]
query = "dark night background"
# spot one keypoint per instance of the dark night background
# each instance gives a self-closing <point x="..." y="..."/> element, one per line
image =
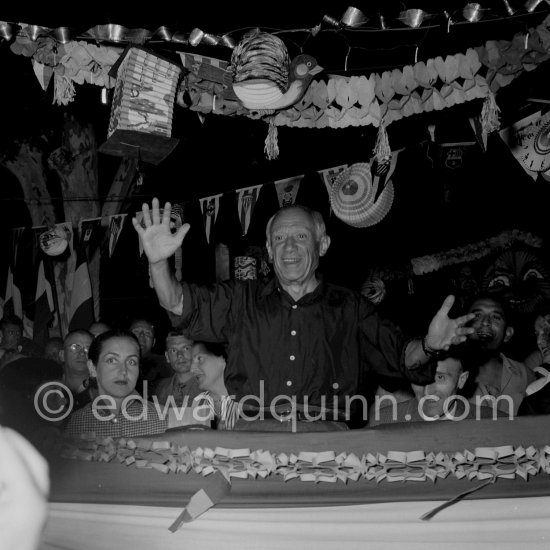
<point x="434" y="209"/>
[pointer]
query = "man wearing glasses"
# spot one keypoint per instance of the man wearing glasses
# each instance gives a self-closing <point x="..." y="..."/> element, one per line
<point x="74" y="357"/>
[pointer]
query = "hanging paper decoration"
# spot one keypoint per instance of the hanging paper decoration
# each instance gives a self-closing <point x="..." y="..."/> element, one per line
<point x="330" y="174"/>
<point x="516" y="137"/>
<point x="287" y="190"/>
<point x="115" y="228"/>
<point x="140" y="124"/>
<point x="536" y="147"/>
<point x="43" y="73"/>
<point x="246" y="200"/>
<point x="362" y="194"/>
<point x="489" y="116"/>
<point x="55" y="241"/>
<point x="382" y="151"/>
<point x="271" y="148"/>
<point x="210" y="207"/>
<point x="210" y="70"/>
<point x="356" y="201"/>
<point x="264" y="78"/>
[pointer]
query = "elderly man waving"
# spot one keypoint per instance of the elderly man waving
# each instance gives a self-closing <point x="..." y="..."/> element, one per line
<point x="298" y="346"/>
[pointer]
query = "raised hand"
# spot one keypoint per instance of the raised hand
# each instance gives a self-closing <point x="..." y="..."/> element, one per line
<point x="444" y="332"/>
<point x="157" y="239"/>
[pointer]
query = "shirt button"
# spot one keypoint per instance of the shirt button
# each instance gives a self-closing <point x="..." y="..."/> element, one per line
<point x="292" y="357"/>
<point x="294" y="306"/>
<point x="289" y="382"/>
<point x="293" y="332"/>
<point x="115" y="420"/>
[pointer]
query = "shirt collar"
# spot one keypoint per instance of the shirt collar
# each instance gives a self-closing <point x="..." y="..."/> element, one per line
<point x="273" y="286"/>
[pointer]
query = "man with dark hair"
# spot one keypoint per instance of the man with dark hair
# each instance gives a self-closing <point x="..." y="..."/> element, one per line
<point x="11" y="333"/>
<point x="296" y="337"/>
<point x="499" y="376"/>
<point x="182" y="386"/>
<point x="152" y="365"/>
<point x="444" y="399"/>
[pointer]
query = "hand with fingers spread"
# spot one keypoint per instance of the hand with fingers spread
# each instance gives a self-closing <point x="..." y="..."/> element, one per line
<point x="159" y="243"/>
<point x="445" y="332"/>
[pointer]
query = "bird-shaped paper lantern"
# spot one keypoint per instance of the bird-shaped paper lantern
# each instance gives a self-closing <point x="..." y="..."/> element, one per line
<point x="263" y="78"/>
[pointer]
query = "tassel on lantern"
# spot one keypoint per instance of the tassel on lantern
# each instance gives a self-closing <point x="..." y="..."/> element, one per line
<point x="490" y="120"/>
<point x="382" y="150"/>
<point x="271" y="148"/>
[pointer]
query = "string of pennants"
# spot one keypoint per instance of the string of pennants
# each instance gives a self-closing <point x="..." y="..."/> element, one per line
<point x="286" y="190"/>
<point x="229" y="215"/>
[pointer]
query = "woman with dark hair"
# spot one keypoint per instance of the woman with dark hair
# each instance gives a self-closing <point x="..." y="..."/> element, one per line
<point x="119" y="411"/>
<point x="208" y="366"/>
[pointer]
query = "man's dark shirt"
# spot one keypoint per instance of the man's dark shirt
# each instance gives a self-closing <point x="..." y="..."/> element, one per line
<point x="321" y="345"/>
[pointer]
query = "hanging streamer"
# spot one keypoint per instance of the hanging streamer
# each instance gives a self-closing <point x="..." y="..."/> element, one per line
<point x="271" y="148"/>
<point x="382" y="150"/>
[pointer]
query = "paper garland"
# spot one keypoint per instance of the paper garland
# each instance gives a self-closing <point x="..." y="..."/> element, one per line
<point x="474" y="251"/>
<point x="482" y="463"/>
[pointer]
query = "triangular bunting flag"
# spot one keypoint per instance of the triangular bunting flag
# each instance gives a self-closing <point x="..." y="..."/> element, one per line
<point x="246" y="200"/>
<point x="115" y="228"/>
<point x="330" y="174"/>
<point x="43" y="73"/>
<point x="81" y="308"/>
<point x="287" y="190"/>
<point x="43" y="309"/>
<point x="209" y="208"/>
<point x="382" y="173"/>
<point x="13" y="303"/>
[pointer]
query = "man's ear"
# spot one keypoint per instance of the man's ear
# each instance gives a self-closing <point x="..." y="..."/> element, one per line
<point x="166" y="356"/>
<point x="324" y="243"/>
<point x="91" y="369"/>
<point x="269" y="252"/>
<point x="61" y="355"/>
<point x="509" y="333"/>
<point x="462" y="380"/>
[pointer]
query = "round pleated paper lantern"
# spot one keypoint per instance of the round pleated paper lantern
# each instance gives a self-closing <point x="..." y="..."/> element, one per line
<point x="356" y="200"/>
<point x="260" y="65"/>
<point x="55" y="241"/>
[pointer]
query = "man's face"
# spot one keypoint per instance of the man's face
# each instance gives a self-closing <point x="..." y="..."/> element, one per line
<point x="145" y="333"/>
<point x="52" y="350"/>
<point x="294" y="248"/>
<point x="178" y="353"/>
<point x="11" y="336"/>
<point x="75" y="352"/>
<point x="491" y="330"/>
<point x="448" y="379"/>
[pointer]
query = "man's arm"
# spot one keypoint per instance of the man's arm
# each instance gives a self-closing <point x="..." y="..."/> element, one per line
<point x="159" y="244"/>
<point x="169" y="291"/>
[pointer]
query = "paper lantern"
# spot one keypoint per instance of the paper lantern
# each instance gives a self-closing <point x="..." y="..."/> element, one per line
<point x="260" y="64"/>
<point x="142" y="109"/>
<point x="356" y="200"/>
<point x="55" y="241"/>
